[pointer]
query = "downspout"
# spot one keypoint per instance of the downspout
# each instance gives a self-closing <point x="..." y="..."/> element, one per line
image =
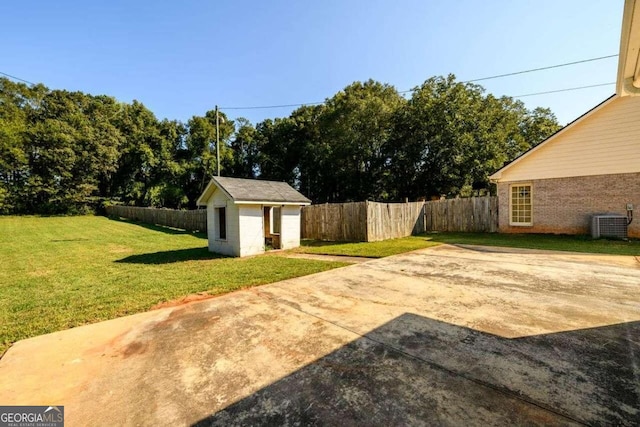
<point x="632" y="85"/>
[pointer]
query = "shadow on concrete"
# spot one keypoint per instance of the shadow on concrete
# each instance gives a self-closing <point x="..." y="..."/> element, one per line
<point x="416" y="370"/>
<point x="168" y="257"/>
<point x="160" y="228"/>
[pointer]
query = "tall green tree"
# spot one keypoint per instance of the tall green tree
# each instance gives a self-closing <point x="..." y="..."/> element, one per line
<point x="357" y="124"/>
<point x="450" y="137"/>
<point x="60" y="151"/>
<point x="70" y="148"/>
<point x="335" y="151"/>
<point x="279" y="156"/>
<point x="16" y="102"/>
<point x="139" y="155"/>
<point x="245" y="150"/>
<point x="537" y="125"/>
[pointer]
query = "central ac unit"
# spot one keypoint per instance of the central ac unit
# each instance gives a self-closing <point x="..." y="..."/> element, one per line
<point x="612" y="226"/>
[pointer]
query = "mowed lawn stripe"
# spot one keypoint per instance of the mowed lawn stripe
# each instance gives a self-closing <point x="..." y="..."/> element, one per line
<point x="61" y="272"/>
<point x="380" y="249"/>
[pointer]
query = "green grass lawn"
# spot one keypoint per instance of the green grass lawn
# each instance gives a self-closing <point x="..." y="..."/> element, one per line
<point x="530" y="241"/>
<point x="61" y="272"/>
<point x="540" y="241"/>
<point x="368" y="250"/>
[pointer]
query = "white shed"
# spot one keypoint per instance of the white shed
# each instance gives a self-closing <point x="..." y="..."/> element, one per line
<point x="247" y="216"/>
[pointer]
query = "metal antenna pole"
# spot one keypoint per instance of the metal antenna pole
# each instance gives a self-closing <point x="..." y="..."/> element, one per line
<point x="218" y="139"/>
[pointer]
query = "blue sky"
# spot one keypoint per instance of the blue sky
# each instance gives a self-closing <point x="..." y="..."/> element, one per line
<point x="181" y="58"/>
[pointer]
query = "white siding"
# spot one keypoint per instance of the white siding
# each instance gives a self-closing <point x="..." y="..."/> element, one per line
<point x="251" y="232"/>
<point x="290" y="227"/>
<point x="230" y="246"/>
<point x="607" y="142"/>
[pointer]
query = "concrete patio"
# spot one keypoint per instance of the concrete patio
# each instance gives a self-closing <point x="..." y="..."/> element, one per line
<point x="445" y="335"/>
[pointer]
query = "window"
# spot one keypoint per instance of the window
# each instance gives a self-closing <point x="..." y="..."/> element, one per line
<point x="275" y="220"/>
<point x="221" y="214"/>
<point x="520" y="205"/>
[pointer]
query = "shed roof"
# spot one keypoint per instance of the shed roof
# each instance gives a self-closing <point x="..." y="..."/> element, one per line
<point x="243" y="191"/>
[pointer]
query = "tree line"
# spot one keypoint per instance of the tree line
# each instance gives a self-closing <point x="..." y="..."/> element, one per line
<point x="66" y="152"/>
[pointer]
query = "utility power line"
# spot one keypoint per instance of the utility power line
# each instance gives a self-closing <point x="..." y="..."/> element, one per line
<point x="563" y="90"/>
<point x="17" y="78"/>
<point x="566" y="64"/>
<point x="497" y="76"/>
<point x="512" y="96"/>
<point x="272" y="106"/>
<point x="532" y="70"/>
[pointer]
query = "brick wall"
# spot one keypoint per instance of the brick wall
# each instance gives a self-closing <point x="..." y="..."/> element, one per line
<point x="565" y="205"/>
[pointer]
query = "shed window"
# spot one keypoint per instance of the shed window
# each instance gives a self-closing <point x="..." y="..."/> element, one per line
<point x="221" y="221"/>
<point x="276" y="220"/>
<point x="520" y="205"/>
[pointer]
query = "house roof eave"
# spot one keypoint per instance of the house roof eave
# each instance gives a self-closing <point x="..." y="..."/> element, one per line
<point x="628" y="76"/>
<point x="497" y="175"/>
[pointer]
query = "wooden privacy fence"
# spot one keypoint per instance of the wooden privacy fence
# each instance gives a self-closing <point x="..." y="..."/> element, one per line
<point x="192" y="220"/>
<point x="362" y="221"/>
<point x="393" y="220"/>
<point x="475" y="214"/>
<point x="353" y="222"/>
<point x="335" y="222"/>
<point x="373" y="221"/>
